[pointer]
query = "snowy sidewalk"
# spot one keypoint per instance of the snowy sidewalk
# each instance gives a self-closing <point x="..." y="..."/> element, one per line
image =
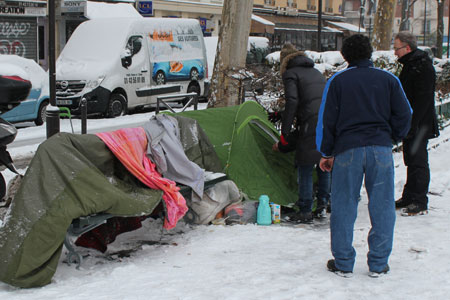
<point x="273" y="262"/>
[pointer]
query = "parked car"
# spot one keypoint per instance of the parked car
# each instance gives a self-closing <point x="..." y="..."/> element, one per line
<point x="33" y="108"/>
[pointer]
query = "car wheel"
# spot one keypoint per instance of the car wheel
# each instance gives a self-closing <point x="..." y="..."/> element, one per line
<point x="160" y="78"/>
<point x="193" y="88"/>
<point x="194" y="74"/>
<point x="117" y="106"/>
<point x="42" y="114"/>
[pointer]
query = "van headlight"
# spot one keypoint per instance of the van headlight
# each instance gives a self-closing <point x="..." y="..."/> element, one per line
<point x="92" y="84"/>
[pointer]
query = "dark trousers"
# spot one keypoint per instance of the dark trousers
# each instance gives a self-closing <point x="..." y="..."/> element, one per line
<point x="415" y="157"/>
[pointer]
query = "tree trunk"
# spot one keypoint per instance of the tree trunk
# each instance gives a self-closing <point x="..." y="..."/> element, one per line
<point x="226" y="85"/>
<point x="384" y="20"/>
<point x="440" y="27"/>
<point x="405" y="15"/>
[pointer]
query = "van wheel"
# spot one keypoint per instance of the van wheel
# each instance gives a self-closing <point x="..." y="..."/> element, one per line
<point x="194" y="74"/>
<point x="160" y="78"/>
<point x="117" y="106"/>
<point x="42" y="114"/>
<point x="193" y="88"/>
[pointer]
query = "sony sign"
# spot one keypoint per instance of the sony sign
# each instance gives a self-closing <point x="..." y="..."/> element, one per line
<point x="73" y="7"/>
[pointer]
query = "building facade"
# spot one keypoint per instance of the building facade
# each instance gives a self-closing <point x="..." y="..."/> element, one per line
<point x="22" y="28"/>
<point x="296" y="22"/>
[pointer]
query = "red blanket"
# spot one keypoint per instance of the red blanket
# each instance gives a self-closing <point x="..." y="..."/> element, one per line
<point x="129" y="146"/>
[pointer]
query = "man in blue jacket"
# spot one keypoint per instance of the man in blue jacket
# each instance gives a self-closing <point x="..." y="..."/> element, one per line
<point x="363" y="110"/>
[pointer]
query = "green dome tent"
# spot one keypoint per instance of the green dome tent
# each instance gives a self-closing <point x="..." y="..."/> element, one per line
<point x="243" y="137"/>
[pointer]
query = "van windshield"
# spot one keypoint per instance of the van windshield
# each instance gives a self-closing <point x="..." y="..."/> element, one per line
<point x="96" y="41"/>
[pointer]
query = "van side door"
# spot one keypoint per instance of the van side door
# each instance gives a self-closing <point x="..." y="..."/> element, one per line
<point x="137" y="69"/>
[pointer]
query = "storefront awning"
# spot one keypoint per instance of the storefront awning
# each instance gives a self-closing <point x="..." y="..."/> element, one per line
<point x="261" y="25"/>
<point x="307" y="28"/>
<point x="347" y="26"/>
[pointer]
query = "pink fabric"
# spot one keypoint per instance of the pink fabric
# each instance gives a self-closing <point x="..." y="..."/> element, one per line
<point x="129" y="146"/>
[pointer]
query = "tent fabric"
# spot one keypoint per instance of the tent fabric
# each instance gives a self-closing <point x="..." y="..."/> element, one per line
<point x="70" y="176"/>
<point x="243" y="137"/>
<point x="129" y="145"/>
<point x="166" y="151"/>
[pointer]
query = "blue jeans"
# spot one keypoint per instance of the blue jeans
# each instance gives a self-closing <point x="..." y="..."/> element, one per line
<point x="375" y="164"/>
<point x="305" y="187"/>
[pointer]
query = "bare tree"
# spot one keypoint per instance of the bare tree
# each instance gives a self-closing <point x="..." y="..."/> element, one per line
<point x="227" y="83"/>
<point x="440" y="27"/>
<point x="384" y="21"/>
<point x="406" y="12"/>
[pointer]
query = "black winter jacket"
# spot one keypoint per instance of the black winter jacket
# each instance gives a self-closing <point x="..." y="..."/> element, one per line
<point x="418" y="80"/>
<point x="303" y="87"/>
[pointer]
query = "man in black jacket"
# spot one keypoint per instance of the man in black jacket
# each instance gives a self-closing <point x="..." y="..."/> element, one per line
<point x="303" y="87"/>
<point x="418" y="80"/>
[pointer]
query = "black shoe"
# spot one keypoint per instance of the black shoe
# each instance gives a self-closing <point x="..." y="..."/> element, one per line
<point x="331" y="265"/>
<point x="402" y="203"/>
<point x="320" y="213"/>
<point x="305" y="217"/>
<point x="414" y="210"/>
<point x="379" y="274"/>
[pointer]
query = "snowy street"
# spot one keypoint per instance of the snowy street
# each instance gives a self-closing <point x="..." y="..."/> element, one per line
<point x="254" y="262"/>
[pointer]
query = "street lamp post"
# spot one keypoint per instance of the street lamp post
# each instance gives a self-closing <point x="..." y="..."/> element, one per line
<point x="362" y="5"/>
<point x="448" y="28"/>
<point x="52" y="113"/>
<point x="319" y="27"/>
<point x="425" y="23"/>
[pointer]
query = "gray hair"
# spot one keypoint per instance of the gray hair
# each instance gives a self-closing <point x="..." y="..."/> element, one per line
<point x="407" y="38"/>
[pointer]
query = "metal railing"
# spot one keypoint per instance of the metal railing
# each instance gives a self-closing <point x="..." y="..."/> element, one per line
<point x="192" y="99"/>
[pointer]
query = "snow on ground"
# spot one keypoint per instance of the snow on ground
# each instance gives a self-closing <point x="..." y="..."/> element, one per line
<point x="265" y="262"/>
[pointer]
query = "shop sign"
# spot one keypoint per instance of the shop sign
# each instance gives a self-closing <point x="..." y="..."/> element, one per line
<point x="145" y="8"/>
<point x="202" y="22"/>
<point x="73" y="7"/>
<point x="23" y="8"/>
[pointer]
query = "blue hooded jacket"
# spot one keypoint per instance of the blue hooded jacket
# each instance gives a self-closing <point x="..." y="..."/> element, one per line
<point x="361" y="106"/>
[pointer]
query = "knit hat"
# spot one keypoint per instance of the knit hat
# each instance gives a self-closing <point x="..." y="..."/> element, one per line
<point x="287" y="50"/>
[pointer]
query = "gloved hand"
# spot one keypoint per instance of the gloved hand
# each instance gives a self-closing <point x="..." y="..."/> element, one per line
<point x="274" y="116"/>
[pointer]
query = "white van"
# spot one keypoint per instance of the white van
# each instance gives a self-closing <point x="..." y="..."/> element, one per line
<point x="125" y="63"/>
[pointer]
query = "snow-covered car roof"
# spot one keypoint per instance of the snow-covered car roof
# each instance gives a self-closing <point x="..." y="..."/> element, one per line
<point x="7" y="69"/>
<point x="28" y="69"/>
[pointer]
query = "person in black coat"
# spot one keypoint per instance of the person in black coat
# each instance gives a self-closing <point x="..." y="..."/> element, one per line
<point x="303" y="87"/>
<point x="418" y="81"/>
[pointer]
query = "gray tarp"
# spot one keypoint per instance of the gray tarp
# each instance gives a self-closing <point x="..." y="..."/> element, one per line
<point x="72" y="176"/>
